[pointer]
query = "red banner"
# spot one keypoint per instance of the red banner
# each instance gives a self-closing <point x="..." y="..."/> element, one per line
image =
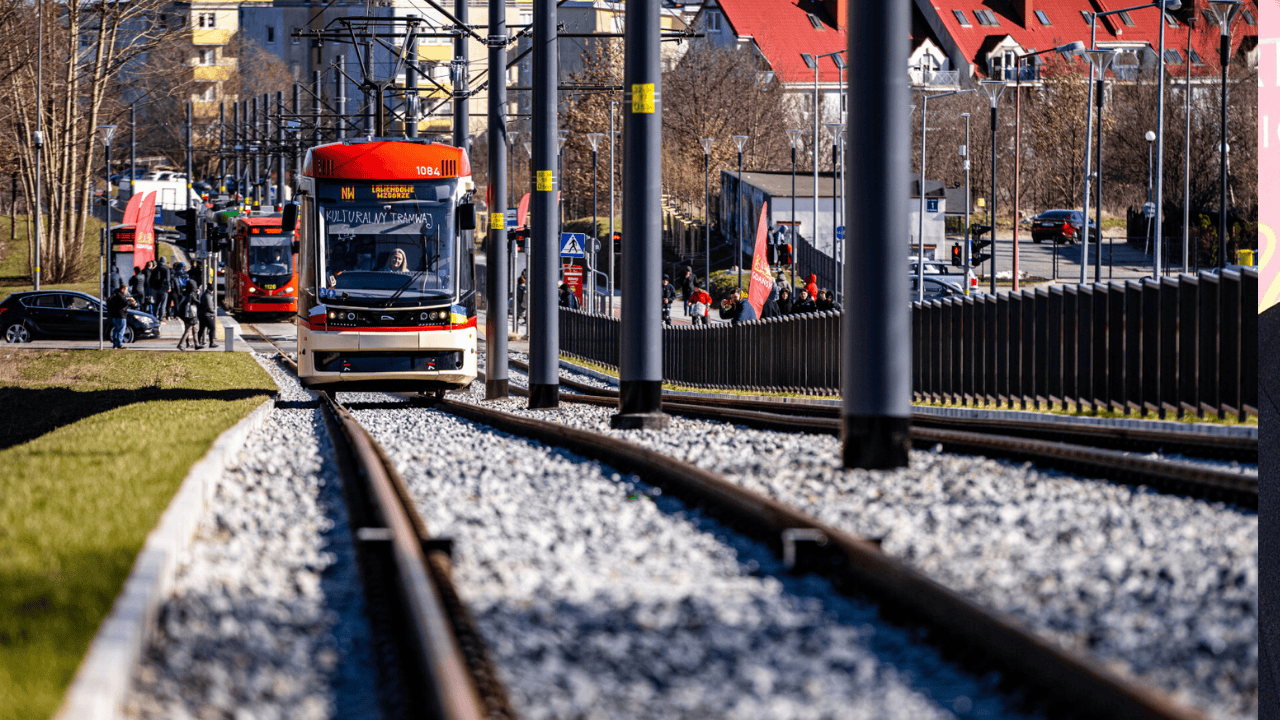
<point x="144" y="248"/>
<point x="761" y="284"/>
<point x="573" y="278"/>
<point x="131" y="209"/>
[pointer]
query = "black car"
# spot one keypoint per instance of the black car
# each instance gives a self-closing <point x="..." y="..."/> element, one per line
<point x="1061" y="226"/>
<point x="25" y="316"/>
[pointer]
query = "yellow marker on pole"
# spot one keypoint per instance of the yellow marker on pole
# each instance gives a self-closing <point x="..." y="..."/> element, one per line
<point x="497" y="221"/>
<point x="546" y="181"/>
<point x="642" y="99"/>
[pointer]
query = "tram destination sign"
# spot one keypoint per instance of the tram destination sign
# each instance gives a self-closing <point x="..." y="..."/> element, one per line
<point x="382" y="192"/>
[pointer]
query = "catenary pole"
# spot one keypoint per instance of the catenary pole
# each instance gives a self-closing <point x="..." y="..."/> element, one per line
<point x="613" y="105"/>
<point x="280" y="151"/>
<point x="496" y="379"/>
<point x="133" y="142"/>
<point x="876" y="340"/>
<point x="544" y="249"/>
<point x="461" y="84"/>
<point x="222" y="148"/>
<point x="412" y="99"/>
<point x="38" y="210"/>
<point x="1088" y="156"/>
<point x="1186" y="157"/>
<point x="640" y="351"/>
<point x="340" y="79"/>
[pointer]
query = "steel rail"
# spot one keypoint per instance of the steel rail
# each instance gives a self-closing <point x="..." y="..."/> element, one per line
<point x="451" y="688"/>
<point x="1243" y="450"/>
<point x="857" y="565"/>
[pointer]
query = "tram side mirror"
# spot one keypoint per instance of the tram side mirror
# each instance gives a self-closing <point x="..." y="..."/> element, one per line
<point x="467" y="216"/>
<point x="289" y="218"/>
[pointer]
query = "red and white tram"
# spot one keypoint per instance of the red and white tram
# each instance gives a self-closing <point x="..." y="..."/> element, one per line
<point x="387" y="271"/>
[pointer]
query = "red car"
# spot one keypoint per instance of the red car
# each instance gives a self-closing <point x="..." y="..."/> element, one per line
<point x="1060" y="226"/>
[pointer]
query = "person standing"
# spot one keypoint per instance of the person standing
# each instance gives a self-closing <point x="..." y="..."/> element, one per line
<point x="206" y="315"/>
<point x="803" y="304"/>
<point x="811" y="285"/>
<point x="118" y="310"/>
<point x="522" y="295"/>
<point x="731" y="307"/>
<point x="160" y="279"/>
<point x="668" y="297"/>
<point x="687" y="283"/>
<point x="701" y="305"/>
<point x="149" y="300"/>
<point x="784" y="301"/>
<point x="138" y="286"/>
<point x="188" y="312"/>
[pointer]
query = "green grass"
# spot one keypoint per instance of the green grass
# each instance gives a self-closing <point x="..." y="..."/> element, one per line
<point x="77" y="502"/>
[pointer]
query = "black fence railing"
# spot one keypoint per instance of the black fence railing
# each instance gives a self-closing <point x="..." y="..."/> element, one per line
<point x="1182" y="345"/>
<point x="810" y="260"/>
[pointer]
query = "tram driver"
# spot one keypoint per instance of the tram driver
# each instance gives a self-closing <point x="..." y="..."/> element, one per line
<point x="396" y="262"/>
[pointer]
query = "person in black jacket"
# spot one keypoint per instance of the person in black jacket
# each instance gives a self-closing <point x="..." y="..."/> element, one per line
<point x="731" y="307"/>
<point x="567" y="297"/>
<point x="804" y="304"/>
<point x="522" y="298"/>
<point x="668" y="297"/>
<point x="784" y="301"/>
<point x="188" y="311"/>
<point x="118" y="310"/>
<point x="138" y="286"/>
<point x="207" y="315"/>
<point x="160" y="279"/>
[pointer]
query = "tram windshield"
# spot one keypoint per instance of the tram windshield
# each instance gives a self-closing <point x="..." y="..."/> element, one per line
<point x="398" y="253"/>
<point x="270" y="256"/>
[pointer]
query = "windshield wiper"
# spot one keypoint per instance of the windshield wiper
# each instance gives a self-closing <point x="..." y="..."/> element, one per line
<point x="396" y="296"/>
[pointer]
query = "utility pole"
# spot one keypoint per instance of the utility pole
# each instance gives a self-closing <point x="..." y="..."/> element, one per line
<point x="280" y="151"/>
<point x="317" y="82"/>
<point x="340" y="79"/>
<point x="222" y="148"/>
<point x="496" y="268"/>
<point x="544" y="249"/>
<point x="461" y="86"/>
<point x="876" y="373"/>
<point x="640" y="352"/>
<point x="412" y="98"/>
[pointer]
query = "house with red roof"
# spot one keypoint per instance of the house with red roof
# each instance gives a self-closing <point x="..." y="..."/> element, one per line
<point x="955" y="42"/>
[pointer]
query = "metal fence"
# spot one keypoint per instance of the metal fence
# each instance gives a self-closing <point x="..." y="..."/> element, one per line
<point x="811" y="261"/>
<point x="1186" y="344"/>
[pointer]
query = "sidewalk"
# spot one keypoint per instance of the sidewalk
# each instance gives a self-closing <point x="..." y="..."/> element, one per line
<point x="170" y="331"/>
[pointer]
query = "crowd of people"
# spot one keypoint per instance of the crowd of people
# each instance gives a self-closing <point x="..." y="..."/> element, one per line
<point x="170" y="293"/>
<point x="807" y="298"/>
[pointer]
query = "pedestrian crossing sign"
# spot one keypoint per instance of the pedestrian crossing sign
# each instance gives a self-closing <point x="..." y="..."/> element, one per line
<point x="572" y="244"/>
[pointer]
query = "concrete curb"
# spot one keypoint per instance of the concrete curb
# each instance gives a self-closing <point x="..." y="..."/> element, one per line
<point x="102" y="681"/>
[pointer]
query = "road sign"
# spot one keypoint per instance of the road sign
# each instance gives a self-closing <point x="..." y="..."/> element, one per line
<point x="511" y="217"/>
<point x="839" y="232"/>
<point x="1149" y="209"/>
<point x="572" y="244"/>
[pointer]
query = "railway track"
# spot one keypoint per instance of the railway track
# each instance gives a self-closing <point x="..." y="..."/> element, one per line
<point x="1046" y="444"/>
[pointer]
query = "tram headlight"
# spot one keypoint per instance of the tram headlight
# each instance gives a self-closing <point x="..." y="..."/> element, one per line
<point x="253" y="290"/>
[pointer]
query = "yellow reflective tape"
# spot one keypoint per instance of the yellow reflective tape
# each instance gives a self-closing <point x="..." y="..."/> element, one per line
<point x="497" y="221"/>
<point x="642" y="98"/>
<point x="546" y="181"/>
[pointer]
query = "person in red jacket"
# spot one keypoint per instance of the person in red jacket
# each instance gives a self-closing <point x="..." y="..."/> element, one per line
<point x="699" y="304"/>
<point x="811" y="284"/>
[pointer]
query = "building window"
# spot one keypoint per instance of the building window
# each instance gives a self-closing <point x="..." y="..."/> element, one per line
<point x="1124" y="18"/>
<point x="294" y="36"/>
<point x="271" y="34"/>
<point x="986" y="18"/>
<point x="1248" y="17"/>
<point x="1044" y="19"/>
<point x="207" y="20"/>
<point x="809" y="61"/>
<point x="1195" y="58"/>
<point x="964" y="20"/>
<point x="1088" y="18"/>
<point x="526" y="17"/>
<point x="814" y="21"/>
<point x="1170" y="21"/>
<point x="207" y="56"/>
<point x="208" y="94"/>
<point x="713" y="21"/>
<point x="1172" y="57"/>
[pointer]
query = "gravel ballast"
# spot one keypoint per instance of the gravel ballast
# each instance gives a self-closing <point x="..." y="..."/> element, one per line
<point x="1158" y="587"/>
<point x="266" y="616"/>
<point x="601" y="598"/>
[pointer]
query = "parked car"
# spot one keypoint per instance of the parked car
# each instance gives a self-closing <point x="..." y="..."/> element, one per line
<point x="25" y="316"/>
<point x="937" y="287"/>
<point x="1061" y="226"/>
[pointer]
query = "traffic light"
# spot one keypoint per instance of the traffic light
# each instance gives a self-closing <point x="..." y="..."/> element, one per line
<point x="518" y="236"/>
<point x="189" y="228"/>
<point x="218" y="239"/>
<point x="617" y="239"/>
<point x="957" y="256"/>
<point x="976" y="232"/>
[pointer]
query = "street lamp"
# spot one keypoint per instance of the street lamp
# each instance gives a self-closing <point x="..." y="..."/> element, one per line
<point x="1186" y="157"/>
<point x="1225" y="12"/>
<point x="1151" y="138"/>
<point x="1163" y="6"/>
<point x="706" y="204"/>
<point x="796" y="144"/>
<point x="562" y="137"/>
<point x="594" y="139"/>
<point x="1074" y="48"/>
<point x="107" y="131"/>
<point x="816" y="119"/>
<point x="924" y="133"/>
<point x="968" y="251"/>
<point x="741" y="141"/>
<point x="1099" y="60"/>
<point x="994" y="89"/>
<point x="835" y="128"/>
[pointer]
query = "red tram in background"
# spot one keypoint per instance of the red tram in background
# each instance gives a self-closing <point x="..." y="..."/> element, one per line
<point x="262" y="269"/>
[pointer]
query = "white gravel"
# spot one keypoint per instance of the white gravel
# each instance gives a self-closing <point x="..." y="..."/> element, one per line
<point x="1158" y="587"/>
<point x="266" y="616"/>
<point x="602" y="599"/>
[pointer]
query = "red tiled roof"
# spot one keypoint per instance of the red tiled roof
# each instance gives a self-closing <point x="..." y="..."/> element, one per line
<point x="782" y="30"/>
<point x="1067" y="25"/>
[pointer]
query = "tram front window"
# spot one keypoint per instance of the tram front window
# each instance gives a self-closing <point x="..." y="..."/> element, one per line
<point x="399" y="253"/>
<point x="270" y="256"/>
